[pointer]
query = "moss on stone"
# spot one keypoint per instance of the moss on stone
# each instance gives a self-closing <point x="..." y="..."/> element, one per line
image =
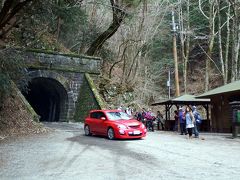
<point x="100" y="101"/>
<point x="59" y="53"/>
<point x="75" y="69"/>
<point x="86" y="102"/>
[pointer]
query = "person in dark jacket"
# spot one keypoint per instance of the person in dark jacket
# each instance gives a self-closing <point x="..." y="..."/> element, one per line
<point x="176" y="118"/>
<point x="182" y="121"/>
<point x="160" y="120"/>
<point x="149" y="120"/>
<point x="139" y="116"/>
<point x="143" y="117"/>
<point x="197" y="121"/>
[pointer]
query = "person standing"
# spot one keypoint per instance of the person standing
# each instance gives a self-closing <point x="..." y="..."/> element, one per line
<point x="182" y="121"/>
<point x="176" y="118"/>
<point x="160" y="120"/>
<point x="149" y="120"/>
<point x="139" y="116"/>
<point x="189" y="121"/>
<point x="129" y="111"/>
<point x="197" y="121"/>
<point x="143" y="115"/>
<point x="120" y="108"/>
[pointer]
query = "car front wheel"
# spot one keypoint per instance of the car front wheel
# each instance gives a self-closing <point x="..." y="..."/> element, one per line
<point x="87" y="130"/>
<point x="110" y="134"/>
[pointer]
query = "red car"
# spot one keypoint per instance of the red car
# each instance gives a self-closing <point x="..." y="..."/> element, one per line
<point x="113" y="124"/>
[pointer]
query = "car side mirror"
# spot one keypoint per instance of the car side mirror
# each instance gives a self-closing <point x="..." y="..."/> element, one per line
<point x="103" y="118"/>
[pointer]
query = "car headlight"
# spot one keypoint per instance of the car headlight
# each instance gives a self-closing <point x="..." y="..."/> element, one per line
<point x="142" y="126"/>
<point x="122" y="126"/>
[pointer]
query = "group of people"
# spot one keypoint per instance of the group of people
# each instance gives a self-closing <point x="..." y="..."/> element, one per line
<point x="127" y="110"/>
<point x="146" y="116"/>
<point x="189" y="120"/>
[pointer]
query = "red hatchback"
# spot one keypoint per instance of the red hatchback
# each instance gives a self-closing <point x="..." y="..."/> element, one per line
<point x="113" y="124"/>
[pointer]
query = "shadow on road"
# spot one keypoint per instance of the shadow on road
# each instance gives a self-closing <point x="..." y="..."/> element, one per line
<point x="122" y="153"/>
<point x="116" y="147"/>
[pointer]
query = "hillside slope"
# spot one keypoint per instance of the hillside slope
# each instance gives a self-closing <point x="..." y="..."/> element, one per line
<point x="15" y="119"/>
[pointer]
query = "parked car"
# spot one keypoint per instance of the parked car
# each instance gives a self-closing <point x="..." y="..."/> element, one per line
<point x="113" y="124"/>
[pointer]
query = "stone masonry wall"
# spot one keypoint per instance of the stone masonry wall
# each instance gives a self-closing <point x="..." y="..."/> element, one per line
<point x="69" y="71"/>
<point x="61" y="62"/>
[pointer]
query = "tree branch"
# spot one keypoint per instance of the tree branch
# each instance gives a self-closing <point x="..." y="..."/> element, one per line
<point x="200" y="8"/>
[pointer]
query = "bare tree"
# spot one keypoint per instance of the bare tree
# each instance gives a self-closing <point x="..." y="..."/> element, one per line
<point x="133" y="59"/>
<point x="235" y="4"/>
<point x="223" y="59"/>
<point x="119" y="12"/>
<point x="211" y="25"/>
<point x="185" y="33"/>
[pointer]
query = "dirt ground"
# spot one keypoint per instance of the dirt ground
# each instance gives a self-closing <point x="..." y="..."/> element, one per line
<point x="67" y="154"/>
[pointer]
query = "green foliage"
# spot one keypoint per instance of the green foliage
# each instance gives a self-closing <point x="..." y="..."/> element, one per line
<point x="56" y="26"/>
<point x="161" y="56"/>
<point x="11" y="69"/>
<point x="160" y="51"/>
<point x="198" y="23"/>
<point x="73" y="24"/>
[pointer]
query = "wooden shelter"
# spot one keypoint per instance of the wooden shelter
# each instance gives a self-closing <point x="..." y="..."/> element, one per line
<point x="221" y="109"/>
<point x="188" y="100"/>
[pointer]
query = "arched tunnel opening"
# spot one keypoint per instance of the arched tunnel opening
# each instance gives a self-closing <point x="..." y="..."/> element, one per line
<point x="48" y="98"/>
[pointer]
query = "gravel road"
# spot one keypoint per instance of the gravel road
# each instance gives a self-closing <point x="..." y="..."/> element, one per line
<point x="67" y="154"/>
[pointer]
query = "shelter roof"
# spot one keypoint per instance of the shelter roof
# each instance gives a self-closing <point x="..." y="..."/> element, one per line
<point x="186" y="99"/>
<point x="231" y="87"/>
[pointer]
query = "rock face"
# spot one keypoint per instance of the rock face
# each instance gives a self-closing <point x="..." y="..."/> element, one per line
<point x="55" y="88"/>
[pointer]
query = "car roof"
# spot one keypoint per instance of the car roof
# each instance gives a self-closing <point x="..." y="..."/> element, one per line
<point x="105" y="110"/>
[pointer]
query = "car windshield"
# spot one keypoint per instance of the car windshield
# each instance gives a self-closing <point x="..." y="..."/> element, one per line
<point x="114" y="116"/>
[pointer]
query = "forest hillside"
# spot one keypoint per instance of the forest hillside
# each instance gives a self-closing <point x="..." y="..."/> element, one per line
<point x="194" y="45"/>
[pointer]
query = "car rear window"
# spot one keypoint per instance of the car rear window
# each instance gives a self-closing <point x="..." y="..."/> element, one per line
<point x="114" y="116"/>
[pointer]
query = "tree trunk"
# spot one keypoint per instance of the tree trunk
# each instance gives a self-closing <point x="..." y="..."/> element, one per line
<point x="212" y="16"/>
<point x="227" y="44"/>
<point x="188" y="41"/>
<point x="220" y="44"/>
<point x="118" y="16"/>
<point x="185" y="42"/>
<point x="9" y="10"/>
<point x="236" y="42"/>
<point x="236" y="49"/>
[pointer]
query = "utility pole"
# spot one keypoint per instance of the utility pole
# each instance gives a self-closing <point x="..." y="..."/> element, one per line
<point x="169" y="84"/>
<point x="175" y="54"/>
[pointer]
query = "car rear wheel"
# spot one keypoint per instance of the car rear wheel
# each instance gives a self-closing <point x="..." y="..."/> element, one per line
<point x="87" y="130"/>
<point x="110" y="134"/>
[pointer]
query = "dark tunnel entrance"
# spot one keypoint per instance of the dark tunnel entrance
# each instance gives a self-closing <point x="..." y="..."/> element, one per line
<point x="47" y="97"/>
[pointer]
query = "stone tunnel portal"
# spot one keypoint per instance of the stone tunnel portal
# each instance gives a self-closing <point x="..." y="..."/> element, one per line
<point x="48" y="98"/>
